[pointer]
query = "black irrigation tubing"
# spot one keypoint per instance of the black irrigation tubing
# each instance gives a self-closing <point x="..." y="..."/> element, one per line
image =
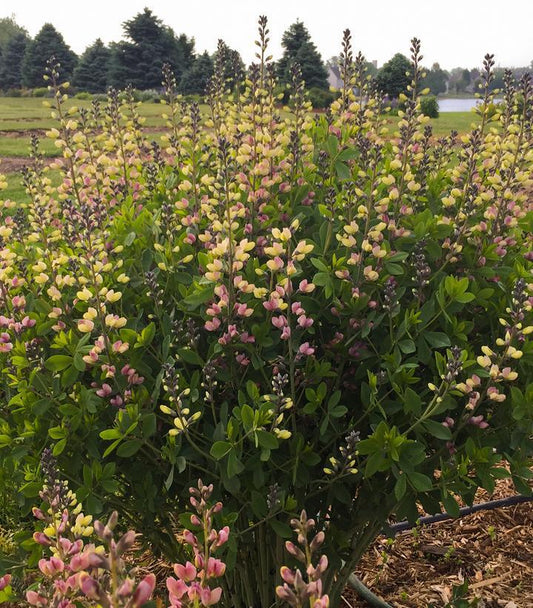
<point x="371" y="598"/>
<point x="483" y="506"/>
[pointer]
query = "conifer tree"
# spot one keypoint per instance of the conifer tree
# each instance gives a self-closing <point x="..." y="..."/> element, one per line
<point x="91" y="72"/>
<point x="149" y="44"/>
<point x="299" y="48"/>
<point x="48" y="42"/>
<point x="195" y="79"/>
<point x="11" y="64"/>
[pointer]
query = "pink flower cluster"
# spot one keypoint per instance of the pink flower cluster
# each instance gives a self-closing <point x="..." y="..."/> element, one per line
<point x="192" y="583"/>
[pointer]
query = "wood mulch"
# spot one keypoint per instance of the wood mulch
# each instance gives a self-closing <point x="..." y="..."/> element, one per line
<point x="492" y="550"/>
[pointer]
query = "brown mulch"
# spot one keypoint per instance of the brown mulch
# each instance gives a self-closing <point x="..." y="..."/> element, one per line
<point x="492" y="550"/>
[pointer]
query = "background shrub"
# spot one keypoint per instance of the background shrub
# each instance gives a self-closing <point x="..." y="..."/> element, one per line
<point x="429" y="106"/>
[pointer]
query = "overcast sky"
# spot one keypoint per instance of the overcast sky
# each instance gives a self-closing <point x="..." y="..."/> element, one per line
<point x="453" y="32"/>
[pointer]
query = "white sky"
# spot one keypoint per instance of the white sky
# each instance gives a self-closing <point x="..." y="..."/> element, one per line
<point x="453" y="32"/>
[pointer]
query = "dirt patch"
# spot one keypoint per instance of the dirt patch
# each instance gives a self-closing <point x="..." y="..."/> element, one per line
<point x="15" y="133"/>
<point x="14" y="164"/>
<point x="492" y="550"/>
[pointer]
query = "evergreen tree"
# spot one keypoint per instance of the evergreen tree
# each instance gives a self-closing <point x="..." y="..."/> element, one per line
<point x="392" y="78"/>
<point x="195" y="79"/>
<point x="11" y="64"/>
<point x="48" y="42"/>
<point x="149" y="44"/>
<point x="91" y="72"/>
<point x="299" y="48"/>
<point x="9" y="28"/>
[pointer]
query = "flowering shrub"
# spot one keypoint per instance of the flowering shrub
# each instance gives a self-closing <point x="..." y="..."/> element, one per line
<point x="309" y="311"/>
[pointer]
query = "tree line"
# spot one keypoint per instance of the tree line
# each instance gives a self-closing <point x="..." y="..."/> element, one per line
<point x="138" y="58"/>
<point x="148" y="43"/>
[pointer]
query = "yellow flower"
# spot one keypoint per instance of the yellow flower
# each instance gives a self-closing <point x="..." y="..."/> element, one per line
<point x="85" y="325"/>
<point x="84" y="294"/>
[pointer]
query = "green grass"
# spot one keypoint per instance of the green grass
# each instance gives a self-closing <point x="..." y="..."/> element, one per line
<point x="15" y="190"/>
<point x="20" y="146"/>
<point x="446" y="122"/>
<point x="27" y="113"/>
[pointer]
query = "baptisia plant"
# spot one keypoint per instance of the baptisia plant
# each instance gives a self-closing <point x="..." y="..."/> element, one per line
<point x="322" y="313"/>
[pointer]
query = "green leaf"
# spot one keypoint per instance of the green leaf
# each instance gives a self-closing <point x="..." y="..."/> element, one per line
<point x="129" y="239"/>
<point x="234" y="466"/>
<point x="129" y="448"/>
<point x="451" y="506"/>
<point x="400" y="487"/>
<point x="394" y="269"/>
<point x="57" y="363"/>
<point x="407" y="346"/>
<point x="465" y="297"/>
<point x="412" y="402"/>
<point x="280" y="528"/>
<point x="190" y="356"/>
<point x="247" y="417"/>
<point x="149" y="425"/>
<point x="420" y="482"/>
<point x="343" y="171"/>
<point x="437" y="339"/>
<point x="59" y="447"/>
<point x="198" y="297"/>
<point x="347" y="154"/>
<point x="111" y="434"/>
<point x="146" y="337"/>
<point x="220" y="449"/>
<point x="57" y="432"/>
<point x="267" y="440"/>
<point x="437" y="429"/>
<point x="79" y="363"/>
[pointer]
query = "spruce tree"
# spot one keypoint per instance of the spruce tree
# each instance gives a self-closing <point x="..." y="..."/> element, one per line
<point x="299" y="48"/>
<point x="392" y="78"/>
<point x="149" y="44"/>
<point x="48" y="42"/>
<point x="9" y="28"/>
<point x="11" y="65"/>
<point x="91" y="72"/>
<point x="195" y="79"/>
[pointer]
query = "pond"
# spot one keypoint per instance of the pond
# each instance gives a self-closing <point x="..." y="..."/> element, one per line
<point x="458" y="105"/>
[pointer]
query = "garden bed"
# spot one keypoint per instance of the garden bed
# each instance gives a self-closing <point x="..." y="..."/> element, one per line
<point x="492" y="550"/>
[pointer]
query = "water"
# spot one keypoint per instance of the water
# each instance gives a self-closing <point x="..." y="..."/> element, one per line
<point x="459" y="105"/>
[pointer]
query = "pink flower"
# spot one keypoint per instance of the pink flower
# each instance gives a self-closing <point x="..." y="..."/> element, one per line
<point x="212" y="325"/>
<point x="186" y="573"/>
<point x="4" y="581"/>
<point x="105" y="391"/>
<point x="52" y="566"/>
<point x="286" y="333"/>
<point x="89" y="587"/>
<point x="34" y="599"/>
<point x="223" y="536"/>
<point x="279" y="322"/>
<point x="305" y="322"/>
<point x="306" y="287"/>
<point x="215" y="567"/>
<point x="208" y="597"/>
<point x="177" y="588"/>
<point x="305" y="349"/>
<point x="144" y="591"/>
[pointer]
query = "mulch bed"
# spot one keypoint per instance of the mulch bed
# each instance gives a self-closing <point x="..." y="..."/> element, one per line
<point x="492" y="550"/>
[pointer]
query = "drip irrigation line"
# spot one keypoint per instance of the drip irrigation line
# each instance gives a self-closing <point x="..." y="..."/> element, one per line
<point x="371" y="598"/>
<point x="483" y="506"/>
